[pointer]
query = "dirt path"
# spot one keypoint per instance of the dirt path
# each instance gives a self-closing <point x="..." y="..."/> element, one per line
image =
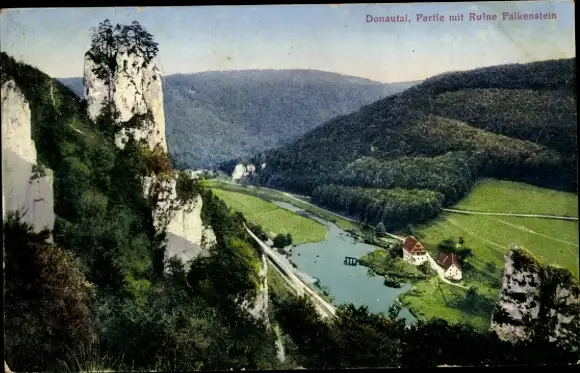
<point x="525" y="229"/>
<point x="543" y="216"/>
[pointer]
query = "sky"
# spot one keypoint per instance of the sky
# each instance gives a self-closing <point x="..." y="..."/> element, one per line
<point x="322" y="37"/>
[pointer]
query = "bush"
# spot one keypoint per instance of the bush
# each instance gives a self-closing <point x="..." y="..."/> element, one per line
<point x="281" y="240"/>
<point x="187" y="188"/>
<point x="157" y="161"/>
<point x="47" y="300"/>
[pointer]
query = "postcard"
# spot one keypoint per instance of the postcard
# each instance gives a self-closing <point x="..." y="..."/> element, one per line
<point x="290" y="186"/>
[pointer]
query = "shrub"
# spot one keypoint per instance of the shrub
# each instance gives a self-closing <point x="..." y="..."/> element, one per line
<point x="187" y="188"/>
<point x="47" y="299"/>
<point x="157" y="161"/>
<point x="281" y="240"/>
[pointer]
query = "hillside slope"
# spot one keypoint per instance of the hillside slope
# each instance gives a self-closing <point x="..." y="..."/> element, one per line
<point x="105" y="285"/>
<point x="512" y="121"/>
<point x="235" y="114"/>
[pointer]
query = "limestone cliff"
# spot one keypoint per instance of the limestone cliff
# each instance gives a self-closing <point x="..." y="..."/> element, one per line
<point x="135" y="90"/>
<point x="537" y="302"/>
<point x="241" y="171"/>
<point x="25" y="185"/>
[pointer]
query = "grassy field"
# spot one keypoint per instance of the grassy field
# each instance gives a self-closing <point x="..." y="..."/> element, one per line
<point x="272" y="195"/>
<point x="551" y="241"/>
<point x="433" y="298"/>
<point x="272" y="218"/>
<point x="511" y="197"/>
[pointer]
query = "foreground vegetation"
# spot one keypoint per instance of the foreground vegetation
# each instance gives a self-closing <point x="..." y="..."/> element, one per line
<point x="357" y="338"/>
<point x="107" y="298"/>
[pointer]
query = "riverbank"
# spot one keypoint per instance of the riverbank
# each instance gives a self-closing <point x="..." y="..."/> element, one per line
<point x="272" y="219"/>
<point x="395" y="271"/>
<point x="320" y="263"/>
<point x="271" y="195"/>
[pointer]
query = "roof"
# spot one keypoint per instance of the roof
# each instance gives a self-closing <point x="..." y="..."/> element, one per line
<point x="413" y="246"/>
<point x="446" y="260"/>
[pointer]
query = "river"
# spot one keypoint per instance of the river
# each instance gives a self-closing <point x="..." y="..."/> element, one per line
<point x="323" y="260"/>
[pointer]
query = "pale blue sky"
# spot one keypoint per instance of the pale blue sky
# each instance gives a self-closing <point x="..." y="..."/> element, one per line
<point x="321" y="37"/>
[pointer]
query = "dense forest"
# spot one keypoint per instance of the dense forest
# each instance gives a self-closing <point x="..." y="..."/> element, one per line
<point x="215" y="116"/>
<point x="512" y="121"/>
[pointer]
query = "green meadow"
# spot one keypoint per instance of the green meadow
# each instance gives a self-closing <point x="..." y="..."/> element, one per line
<point x="273" y="195"/>
<point x="552" y="241"/>
<point x="491" y="195"/>
<point x="273" y="219"/>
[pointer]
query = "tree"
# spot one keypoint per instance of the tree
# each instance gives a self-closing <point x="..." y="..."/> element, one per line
<point x="135" y="39"/>
<point x="107" y="41"/>
<point x="447" y="246"/>
<point x="186" y="187"/>
<point x="471" y="295"/>
<point x="381" y="228"/>
<point x="104" y="45"/>
<point x="460" y="240"/>
<point x="288" y="239"/>
<point x="464" y="253"/>
<point x="394" y="311"/>
<point x="280" y="241"/>
<point x="490" y="266"/>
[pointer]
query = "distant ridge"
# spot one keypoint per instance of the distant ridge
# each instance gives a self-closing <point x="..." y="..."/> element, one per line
<point x="234" y="114"/>
<point x="403" y="158"/>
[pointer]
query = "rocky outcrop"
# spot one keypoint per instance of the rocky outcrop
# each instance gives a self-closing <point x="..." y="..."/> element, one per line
<point x="96" y="89"/>
<point x="26" y="186"/>
<point x="537" y="302"/>
<point x="136" y="91"/>
<point x="137" y="97"/>
<point x="187" y="238"/>
<point x="259" y="308"/>
<point x="241" y="171"/>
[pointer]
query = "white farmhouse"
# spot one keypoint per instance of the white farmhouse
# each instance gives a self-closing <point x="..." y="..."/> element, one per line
<point x="413" y="251"/>
<point x="450" y="265"/>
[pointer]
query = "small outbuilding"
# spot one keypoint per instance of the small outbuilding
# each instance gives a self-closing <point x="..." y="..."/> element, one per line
<point x="451" y="266"/>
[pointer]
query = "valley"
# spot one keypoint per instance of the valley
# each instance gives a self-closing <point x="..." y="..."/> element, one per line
<point x="488" y="238"/>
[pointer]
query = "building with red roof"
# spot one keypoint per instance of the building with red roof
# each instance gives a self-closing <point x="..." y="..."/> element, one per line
<point x="413" y="251"/>
<point x="451" y="265"/>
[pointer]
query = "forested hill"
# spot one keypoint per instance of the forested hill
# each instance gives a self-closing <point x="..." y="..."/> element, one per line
<point x="233" y="114"/>
<point x="411" y="153"/>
